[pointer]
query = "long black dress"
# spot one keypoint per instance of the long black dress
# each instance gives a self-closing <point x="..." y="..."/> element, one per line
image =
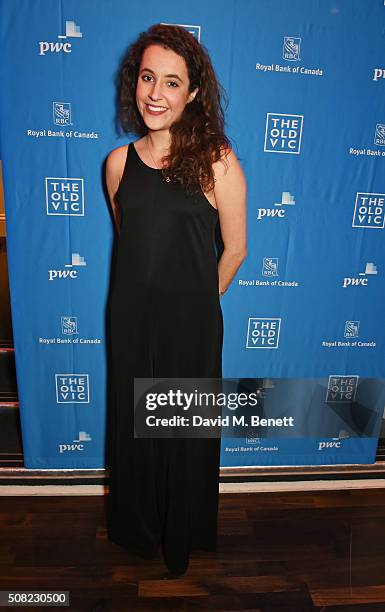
<point x="164" y="320"/>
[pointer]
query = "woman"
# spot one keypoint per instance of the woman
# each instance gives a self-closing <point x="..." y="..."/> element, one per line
<point x="171" y="191"/>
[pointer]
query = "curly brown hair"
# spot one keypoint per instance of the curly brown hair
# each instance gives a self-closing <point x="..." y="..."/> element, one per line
<point x="197" y="138"/>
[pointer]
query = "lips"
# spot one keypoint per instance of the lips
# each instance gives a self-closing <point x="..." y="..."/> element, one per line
<point x="152" y="109"/>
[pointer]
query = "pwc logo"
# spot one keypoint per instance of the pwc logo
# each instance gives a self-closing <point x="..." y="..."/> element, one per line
<point x="361" y="280"/>
<point x="378" y="73"/>
<point x="329" y="444"/>
<point x="76" y="445"/>
<point x="72" y="31"/>
<point x="287" y="199"/>
<point x="76" y="260"/>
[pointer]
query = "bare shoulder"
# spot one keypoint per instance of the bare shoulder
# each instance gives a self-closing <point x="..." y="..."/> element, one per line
<point x="116" y="160"/>
<point x="227" y="170"/>
<point x="115" y="163"/>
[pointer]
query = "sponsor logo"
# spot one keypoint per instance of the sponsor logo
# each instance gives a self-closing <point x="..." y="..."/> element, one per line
<point x="341" y="388"/>
<point x="76" y="445"/>
<point x="334" y="442"/>
<point x="62" y="113"/>
<point x="69" y="325"/>
<point x="270" y="266"/>
<point x="329" y="444"/>
<point x="64" y="196"/>
<point x="76" y="260"/>
<point x="369" y="210"/>
<point x="367" y="152"/>
<point x="62" y="119"/>
<point x="263" y="333"/>
<point x="269" y="273"/>
<point x="379" y="136"/>
<point x="379" y="140"/>
<point x="378" y="74"/>
<point x="344" y="434"/>
<point x="291" y="49"/>
<point x="370" y="270"/>
<point x="283" y="133"/>
<point x="270" y="213"/>
<point x="72" y="31"/>
<point x="286" y="199"/>
<point x="72" y="388"/>
<point x="252" y="437"/>
<point x="247" y="449"/>
<point x="351" y="331"/>
<point x="69" y="329"/>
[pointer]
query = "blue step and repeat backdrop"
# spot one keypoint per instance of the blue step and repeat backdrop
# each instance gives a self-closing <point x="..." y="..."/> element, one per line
<point x="304" y="317"/>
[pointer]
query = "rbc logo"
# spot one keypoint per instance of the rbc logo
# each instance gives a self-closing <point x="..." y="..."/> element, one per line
<point x="270" y="266"/>
<point x="291" y="48"/>
<point x="341" y="388"/>
<point x="252" y="437"/>
<point x="72" y="388"/>
<point x="263" y="333"/>
<point x="69" y="326"/>
<point x="65" y="196"/>
<point x="62" y="113"/>
<point x="283" y="133"/>
<point x="369" y="210"/>
<point x="379" y="137"/>
<point x="351" y="329"/>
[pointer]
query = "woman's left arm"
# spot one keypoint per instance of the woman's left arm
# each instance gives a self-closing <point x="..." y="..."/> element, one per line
<point x="230" y="196"/>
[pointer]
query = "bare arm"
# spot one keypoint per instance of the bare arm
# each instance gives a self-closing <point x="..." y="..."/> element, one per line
<point x="114" y="170"/>
<point x="230" y="197"/>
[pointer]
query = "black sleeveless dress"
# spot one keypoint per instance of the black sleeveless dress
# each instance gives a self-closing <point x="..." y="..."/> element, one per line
<point x="164" y="320"/>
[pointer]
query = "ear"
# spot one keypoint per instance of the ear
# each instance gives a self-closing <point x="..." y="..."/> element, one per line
<point x="192" y="95"/>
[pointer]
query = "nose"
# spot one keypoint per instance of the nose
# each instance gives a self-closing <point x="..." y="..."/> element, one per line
<point x="155" y="92"/>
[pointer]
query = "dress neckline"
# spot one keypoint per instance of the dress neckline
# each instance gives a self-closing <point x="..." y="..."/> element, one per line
<point x="141" y="160"/>
<point x="212" y="208"/>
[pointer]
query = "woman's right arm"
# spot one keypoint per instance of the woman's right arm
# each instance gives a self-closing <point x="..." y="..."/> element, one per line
<point x="114" y="171"/>
<point x="230" y="196"/>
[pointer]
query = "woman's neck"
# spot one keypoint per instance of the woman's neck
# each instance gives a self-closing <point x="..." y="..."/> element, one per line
<point x="159" y="141"/>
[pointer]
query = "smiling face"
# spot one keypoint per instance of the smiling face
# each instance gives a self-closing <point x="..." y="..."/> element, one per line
<point x="162" y="89"/>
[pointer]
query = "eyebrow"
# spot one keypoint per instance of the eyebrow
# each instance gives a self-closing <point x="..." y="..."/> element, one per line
<point x="169" y="76"/>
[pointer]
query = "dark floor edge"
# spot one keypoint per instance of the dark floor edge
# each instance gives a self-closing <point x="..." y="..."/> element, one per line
<point x="67" y="482"/>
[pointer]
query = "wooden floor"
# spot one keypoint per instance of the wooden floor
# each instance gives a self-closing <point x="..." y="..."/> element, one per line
<point x="277" y="552"/>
